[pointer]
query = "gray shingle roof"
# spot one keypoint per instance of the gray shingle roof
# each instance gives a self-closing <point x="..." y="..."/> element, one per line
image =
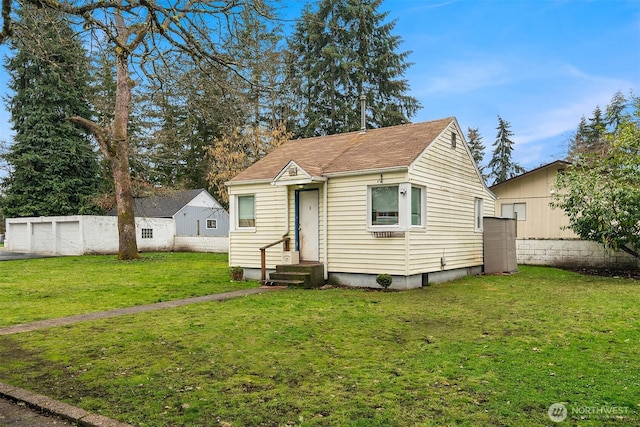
<point x="162" y="206"/>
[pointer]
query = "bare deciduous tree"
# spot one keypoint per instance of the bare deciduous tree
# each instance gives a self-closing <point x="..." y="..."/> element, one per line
<point x="142" y="34"/>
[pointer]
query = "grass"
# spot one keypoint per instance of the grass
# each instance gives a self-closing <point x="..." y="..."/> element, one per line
<point x="55" y="287"/>
<point x="488" y="350"/>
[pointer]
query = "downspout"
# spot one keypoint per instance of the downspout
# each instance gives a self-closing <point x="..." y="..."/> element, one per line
<point x="326" y="230"/>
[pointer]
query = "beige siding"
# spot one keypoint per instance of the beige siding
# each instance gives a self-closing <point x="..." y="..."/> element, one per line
<point x="452" y="186"/>
<point x="451" y="182"/>
<point x="534" y="189"/>
<point x="271" y="215"/>
<point x="351" y="248"/>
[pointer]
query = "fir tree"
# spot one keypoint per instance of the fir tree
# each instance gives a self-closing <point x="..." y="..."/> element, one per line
<point x="54" y="170"/>
<point x="338" y="52"/>
<point x="501" y="164"/>
<point x="474" y="141"/>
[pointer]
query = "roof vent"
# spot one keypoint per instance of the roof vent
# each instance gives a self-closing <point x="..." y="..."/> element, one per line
<point x="363" y="117"/>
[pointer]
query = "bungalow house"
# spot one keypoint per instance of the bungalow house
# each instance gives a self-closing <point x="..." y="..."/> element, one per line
<point x="542" y="233"/>
<point x="405" y="200"/>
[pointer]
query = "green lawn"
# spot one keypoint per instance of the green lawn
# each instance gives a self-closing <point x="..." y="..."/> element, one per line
<point x="494" y="350"/>
<point x="55" y="287"/>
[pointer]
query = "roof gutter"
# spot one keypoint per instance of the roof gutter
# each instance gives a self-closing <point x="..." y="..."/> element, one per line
<point x="368" y="171"/>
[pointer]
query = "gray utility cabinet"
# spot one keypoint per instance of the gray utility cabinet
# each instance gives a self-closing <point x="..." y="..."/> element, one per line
<point x="500" y="245"/>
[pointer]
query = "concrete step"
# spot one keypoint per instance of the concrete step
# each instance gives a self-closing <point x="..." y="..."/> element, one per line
<point x="312" y="274"/>
<point x="284" y="282"/>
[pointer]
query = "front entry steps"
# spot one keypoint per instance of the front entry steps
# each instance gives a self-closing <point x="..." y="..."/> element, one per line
<point x="303" y="275"/>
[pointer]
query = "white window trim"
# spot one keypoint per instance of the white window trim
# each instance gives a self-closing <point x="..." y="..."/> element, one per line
<point x="423" y="208"/>
<point x="478" y="214"/>
<point x="404" y="208"/>
<point x="233" y="208"/>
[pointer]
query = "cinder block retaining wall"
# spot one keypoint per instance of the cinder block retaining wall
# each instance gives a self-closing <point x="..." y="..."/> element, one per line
<point x="571" y="253"/>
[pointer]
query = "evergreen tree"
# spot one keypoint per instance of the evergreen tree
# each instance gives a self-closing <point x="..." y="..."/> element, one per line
<point x="339" y="52"/>
<point x="596" y="129"/>
<point x="614" y="113"/>
<point x="501" y="164"/>
<point x="54" y="170"/>
<point x="593" y="136"/>
<point x="474" y="141"/>
<point x="578" y="143"/>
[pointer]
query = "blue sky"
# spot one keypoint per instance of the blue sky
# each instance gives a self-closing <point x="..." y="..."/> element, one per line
<point x="540" y="64"/>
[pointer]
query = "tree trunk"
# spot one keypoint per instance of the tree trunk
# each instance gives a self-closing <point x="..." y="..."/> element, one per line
<point x="119" y="158"/>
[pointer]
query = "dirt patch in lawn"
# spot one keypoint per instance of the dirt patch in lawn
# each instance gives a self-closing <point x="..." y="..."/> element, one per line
<point x="608" y="272"/>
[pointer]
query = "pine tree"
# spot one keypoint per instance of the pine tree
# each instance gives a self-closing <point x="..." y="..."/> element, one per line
<point x="501" y="164"/>
<point x="338" y="52"/>
<point x="54" y="170"/>
<point x="474" y="141"/>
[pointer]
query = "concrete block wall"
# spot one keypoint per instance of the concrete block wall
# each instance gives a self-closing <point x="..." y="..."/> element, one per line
<point x="572" y="253"/>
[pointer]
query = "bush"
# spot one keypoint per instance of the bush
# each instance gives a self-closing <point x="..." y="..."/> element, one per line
<point x="384" y="280"/>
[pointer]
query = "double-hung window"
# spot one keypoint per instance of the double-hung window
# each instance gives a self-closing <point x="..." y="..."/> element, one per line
<point x="514" y="210"/>
<point x="246" y="211"/>
<point x="396" y="207"/>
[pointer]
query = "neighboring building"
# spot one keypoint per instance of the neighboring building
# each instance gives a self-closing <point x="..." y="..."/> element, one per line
<point x="198" y="219"/>
<point x="542" y="233"/>
<point x="404" y="200"/>
<point x="180" y="221"/>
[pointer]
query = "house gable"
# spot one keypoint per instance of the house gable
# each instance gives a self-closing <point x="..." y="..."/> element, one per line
<point x="292" y="174"/>
<point x="446" y="137"/>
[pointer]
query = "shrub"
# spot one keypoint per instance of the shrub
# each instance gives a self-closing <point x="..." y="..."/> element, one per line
<point x="384" y="280"/>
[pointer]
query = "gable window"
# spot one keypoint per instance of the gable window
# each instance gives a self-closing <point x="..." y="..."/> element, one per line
<point x="246" y="211"/>
<point x="212" y="224"/>
<point x="396" y="207"/>
<point x="514" y="210"/>
<point x="454" y="141"/>
<point x="147" y="233"/>
<point x="479" y="207"/>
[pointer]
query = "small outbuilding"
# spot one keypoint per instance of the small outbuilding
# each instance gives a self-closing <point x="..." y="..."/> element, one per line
<point x="189" y="220"/>
<point x="406" y="200"/>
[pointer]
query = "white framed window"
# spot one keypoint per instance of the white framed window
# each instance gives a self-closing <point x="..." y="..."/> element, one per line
<point x="514" y="210"/>
<point x="418" y="206"/>
<point x="454" y="140"/>
<point x="385" y="206"/>
<point x="212" y="224"/>
<point x="147" y="233"/>
<point x="396" y="207"/>
<point x="479" y="208"/>
<point x="246" y="205"/>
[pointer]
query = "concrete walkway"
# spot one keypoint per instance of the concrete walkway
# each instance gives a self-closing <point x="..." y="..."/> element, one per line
<point x="26" y="413"/>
